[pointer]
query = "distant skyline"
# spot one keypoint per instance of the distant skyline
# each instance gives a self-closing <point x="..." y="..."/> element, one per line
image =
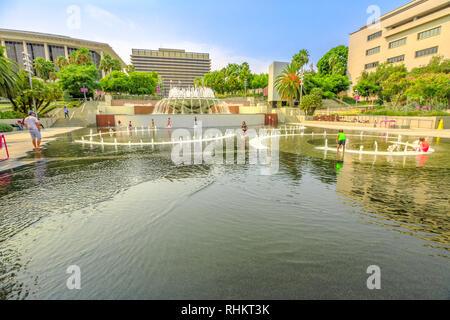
<point x="258" y="32"/>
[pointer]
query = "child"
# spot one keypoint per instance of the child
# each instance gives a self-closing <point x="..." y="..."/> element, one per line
<point x="341" y="140"/>
<point x="169" y="124"/>
<point x="153" y="123"/>
<point x="130" y="126"/>
<point x="424" y="145"/>
<point x="244" y="127"/>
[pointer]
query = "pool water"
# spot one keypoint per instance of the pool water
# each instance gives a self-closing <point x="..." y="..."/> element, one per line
<point x="140" y="227"/>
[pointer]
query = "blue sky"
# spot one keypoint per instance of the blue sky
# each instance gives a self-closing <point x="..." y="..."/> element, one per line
<point x="256" y="31"/>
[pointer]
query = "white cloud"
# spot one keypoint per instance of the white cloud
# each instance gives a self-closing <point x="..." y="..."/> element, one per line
<point x="107" y="18"/>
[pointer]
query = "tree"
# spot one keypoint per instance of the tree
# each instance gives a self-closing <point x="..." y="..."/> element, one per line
<point x="44" y="68"/>
<point x="61" y="62"/>
<point x="130" y="68"/>
<point x="312" y="101"/>
<point x="301" y="58"/>
<point x="117" y="81"/>
<point x="334" y="61"/>
<point x="8" y="76"/>
<point x="288" y="83"/>
<point x="76" y="76"/>
<point x="143" y="82"/>
<point x="82" y="56"/>
<point x="108" y="64"/>
<point x="366" y="88"/>
<point x="42" y="93"/>
<point x="436" y="65"/>
<point x="259" y="81"/>
<point x="431" y="88"/>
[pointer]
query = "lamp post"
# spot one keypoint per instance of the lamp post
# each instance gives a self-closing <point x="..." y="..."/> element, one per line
<point x="29" y="68"/>
<point x="245" y="86"/>
<point x="357" y="97"/>
<point x="301" y="75"/>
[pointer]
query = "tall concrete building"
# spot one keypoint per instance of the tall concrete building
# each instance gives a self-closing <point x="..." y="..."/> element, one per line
<point x="49" y="46"/>
<point x="177" y="68"/>
<point x="275" y="69"/>
<point x="411" y="34"/>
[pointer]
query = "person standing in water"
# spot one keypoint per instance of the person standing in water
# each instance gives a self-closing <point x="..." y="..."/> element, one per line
<point x="424" y="145"/>
<point x="195" y="122"/>
<point x="244" y="127"/>
<point x="341" y="140"/>
<point x="153" y="123"/>
<point x="34" y="127"/>
<point x="169" y="124"/>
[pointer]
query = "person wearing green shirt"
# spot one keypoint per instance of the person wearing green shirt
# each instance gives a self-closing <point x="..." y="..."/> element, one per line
<point x="341" y="139"/>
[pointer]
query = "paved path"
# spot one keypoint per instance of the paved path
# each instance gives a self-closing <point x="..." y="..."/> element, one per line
<point x="19" y="143"/>
<point x="355" y="126"/>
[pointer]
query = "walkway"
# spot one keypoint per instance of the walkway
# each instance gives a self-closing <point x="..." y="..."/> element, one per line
<point x="355" y="126"/>
<point x="19" y="143"/>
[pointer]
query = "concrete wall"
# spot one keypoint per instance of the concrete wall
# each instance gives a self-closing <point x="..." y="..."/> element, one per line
<point x="46" y="122"/>
<point x="187" y="121"/>
<point x="290" y="115"/>
<point x="274" y="70"/>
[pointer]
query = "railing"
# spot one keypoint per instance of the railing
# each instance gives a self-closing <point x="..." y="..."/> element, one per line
<point x="3" y="141"/>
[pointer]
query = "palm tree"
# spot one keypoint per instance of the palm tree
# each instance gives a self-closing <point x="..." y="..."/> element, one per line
<point x="106" y="64"/>
<point x="81" y="57"/>
<point x="8" y="76"/>
<point x="301" y="58"/>
<point x="61" y="62"/>
<point x="288" y="83"/>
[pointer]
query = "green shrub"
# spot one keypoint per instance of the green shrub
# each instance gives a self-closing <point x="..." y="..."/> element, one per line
<point x="4" y="127"/>
<point x="11" y="115"/>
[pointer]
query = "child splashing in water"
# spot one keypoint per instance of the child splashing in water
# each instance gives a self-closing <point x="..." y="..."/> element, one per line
<point x="341" y="140"/>
<point x="244" y="127"/>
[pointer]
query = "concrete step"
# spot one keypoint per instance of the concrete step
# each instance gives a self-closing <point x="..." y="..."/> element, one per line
<point x="66" y="123"/>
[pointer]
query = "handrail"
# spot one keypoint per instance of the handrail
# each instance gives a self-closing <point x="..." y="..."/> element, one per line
<point x="3" y="140"/>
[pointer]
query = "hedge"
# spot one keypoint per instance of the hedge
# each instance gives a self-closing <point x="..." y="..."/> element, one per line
<point x="4" y="127"/>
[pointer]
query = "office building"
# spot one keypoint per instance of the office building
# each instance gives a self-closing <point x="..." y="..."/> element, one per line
<point x="411" y="34"/>
<point x="177" y="68"/>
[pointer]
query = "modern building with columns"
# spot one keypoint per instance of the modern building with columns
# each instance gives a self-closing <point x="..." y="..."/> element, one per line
<point x="49" y="46"/>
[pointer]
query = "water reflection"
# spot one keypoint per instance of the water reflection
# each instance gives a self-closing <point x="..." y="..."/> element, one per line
<point x="287" y="220"/>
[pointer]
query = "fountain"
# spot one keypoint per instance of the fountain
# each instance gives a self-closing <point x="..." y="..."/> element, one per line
<point x="191" y="101"/>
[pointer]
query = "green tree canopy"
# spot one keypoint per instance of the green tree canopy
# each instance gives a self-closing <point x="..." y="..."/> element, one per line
<point x="301" y="58"/>
<point x="334" y="62"/>
<point x="8" y="76"/>
<point x="76" y="76"/>
<point x="44" y="68"/>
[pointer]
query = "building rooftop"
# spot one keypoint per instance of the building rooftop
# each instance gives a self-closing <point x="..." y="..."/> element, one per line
<point x="405" y="7"/>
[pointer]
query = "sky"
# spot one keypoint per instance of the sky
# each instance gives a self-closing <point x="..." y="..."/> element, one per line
<point x="232" y="31"/>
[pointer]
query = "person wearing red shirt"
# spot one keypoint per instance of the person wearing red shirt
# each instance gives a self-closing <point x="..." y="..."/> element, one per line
<point x="424" y="145"/>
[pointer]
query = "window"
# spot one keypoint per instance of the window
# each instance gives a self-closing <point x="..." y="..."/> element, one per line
<point x="374" y="36"/>
<point x="396" y="59"/>
<point x="372" y="51"/>
<point x="429" y="33"/>
<point x="397" y="43"/>
<point x="371" y="65"/>
<point x="14" y="51"/>
<point x="36" y="50"/>
<point x="55" y="52"/>
<point x="426" y="52"/>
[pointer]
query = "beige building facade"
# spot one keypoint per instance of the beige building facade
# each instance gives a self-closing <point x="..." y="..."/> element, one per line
<point x="176" y="68"/>
<point x="49" y="46"/>
<point x="411" y="34"/>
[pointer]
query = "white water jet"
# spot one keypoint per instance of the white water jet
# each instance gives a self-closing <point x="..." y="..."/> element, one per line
<point x="376" y="146"/>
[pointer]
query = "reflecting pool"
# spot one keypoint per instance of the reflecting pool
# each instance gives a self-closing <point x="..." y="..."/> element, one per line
<point x="140" y="227"/>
